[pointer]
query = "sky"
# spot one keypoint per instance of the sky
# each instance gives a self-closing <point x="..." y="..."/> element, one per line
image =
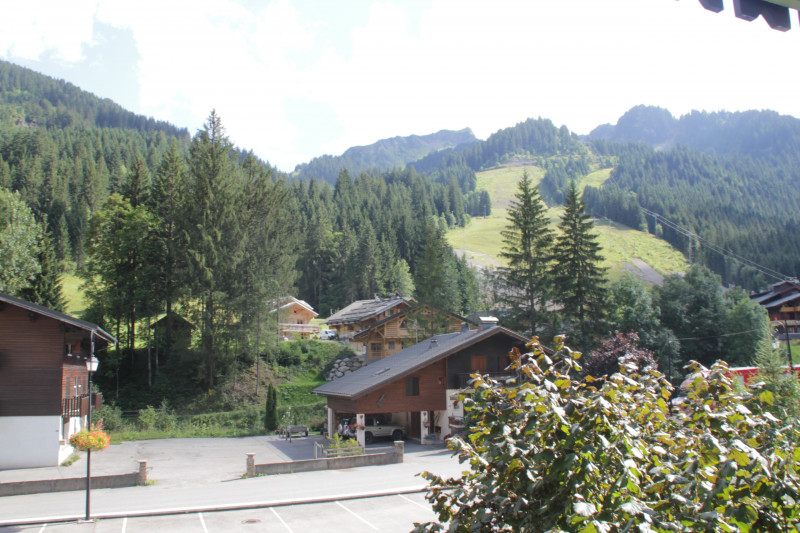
<point x="293" y="80"/>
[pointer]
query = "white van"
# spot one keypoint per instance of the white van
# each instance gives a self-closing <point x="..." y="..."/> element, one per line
<point x="327" y="335"/>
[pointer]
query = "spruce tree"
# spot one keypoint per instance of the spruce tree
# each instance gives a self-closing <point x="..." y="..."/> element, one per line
<point x="167" y="203"/>
<point x="45" y="289"/>
<point x="214" y="242"/>
<point x="578" y="279"/>
<point x="528" y="242"/>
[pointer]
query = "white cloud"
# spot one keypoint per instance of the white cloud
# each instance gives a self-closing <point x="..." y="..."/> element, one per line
<point x="374" y="70"/>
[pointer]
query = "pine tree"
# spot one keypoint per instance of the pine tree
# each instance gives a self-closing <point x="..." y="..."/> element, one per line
<point x="136" y="187"/>
<point x="578" y="280"/>
<point x="528" y="242"/>
<point x="214" y="241"/>
<point x="167" y="203"/>
<point x="45" y="289"/>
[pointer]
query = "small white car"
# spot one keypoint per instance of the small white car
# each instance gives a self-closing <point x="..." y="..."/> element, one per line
<point x="327" y="335"/>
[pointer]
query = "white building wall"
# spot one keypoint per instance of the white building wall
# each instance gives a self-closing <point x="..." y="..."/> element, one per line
<point x="31" y="441"/>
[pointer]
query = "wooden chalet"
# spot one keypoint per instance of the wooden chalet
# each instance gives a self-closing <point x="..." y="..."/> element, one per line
<point x="782" y="302"/>
<point x="362" y="314"/>
<point x="418" y="387"/>
<point x="405" y="328"/>
<point x="294" y="319"/>
<point x="44" y="392"/>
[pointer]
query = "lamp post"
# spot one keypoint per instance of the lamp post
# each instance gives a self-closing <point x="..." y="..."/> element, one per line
<point x="91" y="366"/>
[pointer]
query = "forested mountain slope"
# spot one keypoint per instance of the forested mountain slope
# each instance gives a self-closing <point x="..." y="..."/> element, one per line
<point x="382" y="155"/>
<point x="731" y="181"/>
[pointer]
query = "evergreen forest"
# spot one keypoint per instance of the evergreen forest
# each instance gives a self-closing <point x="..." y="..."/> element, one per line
<point x="161" y="224"/>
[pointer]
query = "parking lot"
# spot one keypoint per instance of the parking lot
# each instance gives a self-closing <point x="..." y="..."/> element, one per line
<point x="396" y="513"/>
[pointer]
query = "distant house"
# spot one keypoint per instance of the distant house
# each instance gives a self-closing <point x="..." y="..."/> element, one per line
<point x="362" y="314"/>
<point x="405" y="328"/>
<point x="782" y="302"/>
<point x="418" y="387"/>
<point x="44" y="392"/>
<point x="294" y="319"/>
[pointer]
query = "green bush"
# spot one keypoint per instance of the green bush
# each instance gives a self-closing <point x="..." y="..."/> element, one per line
<point x="555" y="453"/>
<point x="110" y="415"/>
<point x="162" y="419"/>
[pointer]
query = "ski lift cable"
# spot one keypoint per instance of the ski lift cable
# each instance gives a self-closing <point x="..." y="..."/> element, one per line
<point x="715" y="248"/>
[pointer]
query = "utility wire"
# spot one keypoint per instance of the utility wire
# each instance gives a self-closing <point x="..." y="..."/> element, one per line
<point x="715" y="336"/>
<point x="715" y="248"/>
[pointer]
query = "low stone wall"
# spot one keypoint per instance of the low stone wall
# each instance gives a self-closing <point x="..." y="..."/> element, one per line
<point x="327" y="463"/>
<point x="114" y="481"/>
<point x="343" y="367"/>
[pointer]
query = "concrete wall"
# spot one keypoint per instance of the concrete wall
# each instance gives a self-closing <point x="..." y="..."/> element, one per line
<point x="29" y="441"/>
<point x="337" y="463"/>
<point x="70" y="484"/>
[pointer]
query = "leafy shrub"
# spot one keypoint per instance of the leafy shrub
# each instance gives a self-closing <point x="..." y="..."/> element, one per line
<point x="111" y="417"/>
<point x="553" y="453"/>
<point x="162" y="418"/>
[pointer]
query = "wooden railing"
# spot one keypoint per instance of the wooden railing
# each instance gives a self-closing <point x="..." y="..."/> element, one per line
<point x="79" y="405"/>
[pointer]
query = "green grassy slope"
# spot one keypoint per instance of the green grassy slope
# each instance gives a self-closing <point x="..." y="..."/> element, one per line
<point x="624" y="249"/>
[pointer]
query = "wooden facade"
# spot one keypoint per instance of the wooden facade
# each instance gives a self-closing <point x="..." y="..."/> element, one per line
<point x="415" y="387"/>
<point x="32" y="365"/>
<point x="43" y="380"/>
<point x="295" y="317"/>
<point x="405" y="328"/>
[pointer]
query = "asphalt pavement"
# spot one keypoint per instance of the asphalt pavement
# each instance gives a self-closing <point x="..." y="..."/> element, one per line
<point x="206" y="475"/>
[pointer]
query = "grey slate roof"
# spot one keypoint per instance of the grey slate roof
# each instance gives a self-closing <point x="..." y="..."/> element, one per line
<point x="61" y="317"/>
<point x="361" y="309"/>
<point x="404" y="362"/>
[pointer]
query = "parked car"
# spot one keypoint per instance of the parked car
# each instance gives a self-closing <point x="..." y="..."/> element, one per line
<point x="328" y="335"/>
<point x="375" y="428"/>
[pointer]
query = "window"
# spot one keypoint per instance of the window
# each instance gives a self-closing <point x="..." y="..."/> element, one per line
<point x="412" y="386"/>
<point x="391" y="345"/>
<point x="375" y="347"/>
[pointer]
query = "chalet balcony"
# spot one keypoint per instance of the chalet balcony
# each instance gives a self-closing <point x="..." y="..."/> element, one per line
<point x="77" y="406"/>
<point x="299" y="329"/>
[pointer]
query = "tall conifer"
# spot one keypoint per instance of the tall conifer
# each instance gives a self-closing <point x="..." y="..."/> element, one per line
<point x="528" y="242"/>
<point x="578" y="279"/>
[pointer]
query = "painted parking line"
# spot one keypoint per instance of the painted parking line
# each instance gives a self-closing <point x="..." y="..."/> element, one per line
<point x="281" y="519"/>
<point x="124" y="522"/>
<point x="43" y="528"/>
<point x="357" y="516"/>
<point x="409" y="500"/>
<point x="202" y="522"/>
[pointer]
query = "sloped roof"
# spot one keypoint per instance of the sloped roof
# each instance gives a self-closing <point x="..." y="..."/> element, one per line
<point x="302" y="303"/>
<point x="778" y="293"/>
<point x="399" y="314"/>
<point x="56" y="315"/>
<point x="376" y="374"/>
<point x="363" y="309"/>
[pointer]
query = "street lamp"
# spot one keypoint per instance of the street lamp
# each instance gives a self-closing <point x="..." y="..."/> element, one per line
<point x="91" y="366"/>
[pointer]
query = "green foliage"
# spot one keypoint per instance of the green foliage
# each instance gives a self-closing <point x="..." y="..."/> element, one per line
<point x="336" y="442"/>
<point x="554" y="453"/>
<point x="528" y="242"/>
<point x="20" y="244"/>
<point x="578" y="279"/>
<point x="162" y="419"/>
<point x="111" y="417"/>
<point x="271" y="409"/>
<point x="773" y="371"/>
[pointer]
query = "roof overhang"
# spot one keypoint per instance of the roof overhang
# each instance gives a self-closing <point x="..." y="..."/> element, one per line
<point x="775" y="12"/>
<point x="31" y="307"/>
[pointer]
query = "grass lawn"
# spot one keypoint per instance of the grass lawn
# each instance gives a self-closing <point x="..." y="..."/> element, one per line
<point x="482" y="243"/>
<point x="76" y="303"/>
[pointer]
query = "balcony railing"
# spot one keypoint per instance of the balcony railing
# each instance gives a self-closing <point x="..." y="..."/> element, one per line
<point x="79" y="405"/>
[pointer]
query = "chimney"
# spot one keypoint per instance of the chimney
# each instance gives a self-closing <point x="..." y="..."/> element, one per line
<point x="464" y="327"/>
<point x="434" y="343"/>
<point x="486" y="322"/>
